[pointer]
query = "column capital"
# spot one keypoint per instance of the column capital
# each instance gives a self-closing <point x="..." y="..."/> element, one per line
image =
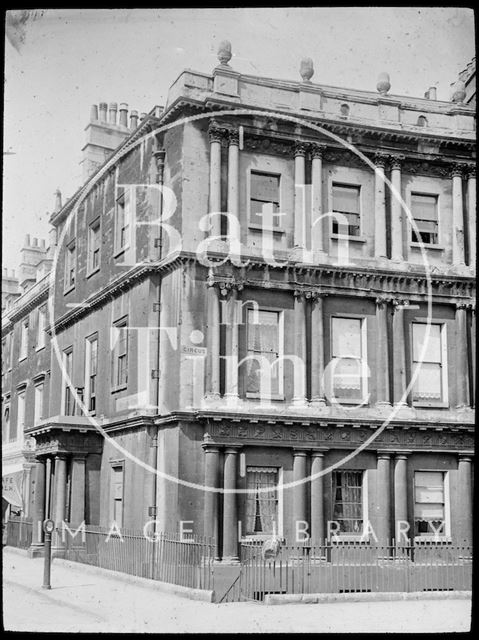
<point x="462" y="305"/>
<point x="396" y="161"/>
<point x="319" y="453"/>
<point x="225" y="286"/>
<point x="79" y="457"/>
<point x="233" y="449"/>
<point x="457" y="169"/>
<point x="318" y="150"/>
<point x="471" y="171"/>
<point x="465" y="456"/>
<point x="380" y="159"/>
<point x="300" y="453"/>
<point x="61" y="456"/>
<point x="233" y="137"/>
<point x="383" y="455"/>
<point x="402" y="455"/>
<point x="210" y="448"/>
<point x="215" y="132"/>
<point x="399" y="303"/>
<point x="382" y="301"/>
<point x="300" y="149"/>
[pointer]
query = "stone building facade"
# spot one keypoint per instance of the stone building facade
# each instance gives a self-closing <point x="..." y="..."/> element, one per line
<point x="162" y="315"/>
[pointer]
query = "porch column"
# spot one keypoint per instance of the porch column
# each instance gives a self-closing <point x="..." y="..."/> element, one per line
<point x="299" y="492"/>
<point x="401" y="530"/>
<point x="39" y="502"/>
<point x="231" y="349"/>
<point x="317" y="498"/>
<point x="382" y="357"/>
<point x="60" y="497"/>
<point x="211" y="523"/>
<point x="380" y="207"/>
<point x="213" y="341"/>
<point x="27" y="486"/>
<point x="473" y="353"/>
<point x="383" y="499"/>
<point x="77" y="509"/>
<point x="299" y="195"/>
<point x="396" y="211"/>
<point x="471" y="211"/>
<point x="399" y="351"/>
<point x="230" y="510"/>
<point x="233" y="183"/>
<point x="317" y="242"/>
<point x="215" y="134"/>
<point x="48" y="489"/>
<point x="457" y="216"/>
<point x="464" y="501"/>
<point x="317" y="350"/>
<point x="299" y="364"/>
<point x="462" y="366"/>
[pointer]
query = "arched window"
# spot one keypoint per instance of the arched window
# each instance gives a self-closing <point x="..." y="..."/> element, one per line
<point x="344" y="110"/>
<point x="422" y="121"/>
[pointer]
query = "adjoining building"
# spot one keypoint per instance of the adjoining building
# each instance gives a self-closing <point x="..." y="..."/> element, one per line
<point x="161" y="317"/>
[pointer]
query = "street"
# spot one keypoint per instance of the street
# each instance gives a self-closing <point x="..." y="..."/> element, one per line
<point x="80" y="601"/>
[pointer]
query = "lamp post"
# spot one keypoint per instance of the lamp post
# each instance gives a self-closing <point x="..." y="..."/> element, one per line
<point x="48" y="527"/>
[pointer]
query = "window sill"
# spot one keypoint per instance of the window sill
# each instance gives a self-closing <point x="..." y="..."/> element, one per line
<point x="40" y="348"/>
<point x="92" y="273"/>
<point x="259" y="227"/>
<point x="65" y="291"/>
<point x="261" y="537"/>
<point x="338" y="537"/>
<point x="433" y="247"/>
<point x="430" y="405"/>
<point x="432" y="538"/>
<point x="259" y="396"/>
<point x="117" y="389"/>
<point x="121" y="251"/>
<point x="339" y="236"/>
<point x="21" y="359"/>
<point x="352" y="401"/>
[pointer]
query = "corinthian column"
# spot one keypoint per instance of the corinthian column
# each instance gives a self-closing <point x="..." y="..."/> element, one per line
<point x="233" y="183"/>
<point x="380" y="207"/>
<point x="213" y="342"/>
<point x="396" y="211"/>
<point x="299" y="364"/>
<point x="457" y="217"/>
<point x="231" y="349"/>
<point x="399" y="351"/>
<point x="317" y="350"/>
<point x="462" y="365"/>
<point x="299" y="194"/>
<point x="382" y="357"/>
<point x="215" y="134"/>
<point x="471" y="212"/>
<point x="317" y="151"/>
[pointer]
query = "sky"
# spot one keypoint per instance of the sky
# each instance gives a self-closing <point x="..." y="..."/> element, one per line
<point x="68" y="60"/>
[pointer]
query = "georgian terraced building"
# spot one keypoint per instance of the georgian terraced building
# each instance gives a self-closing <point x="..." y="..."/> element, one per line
<point x="162" y="328"/>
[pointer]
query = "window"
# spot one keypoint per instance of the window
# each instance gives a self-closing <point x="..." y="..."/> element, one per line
<point x="38" y="413"/>
<point x="424" y="212"/>
<point x="23" y="340"/>
<point x="346" y="203"/>
<point x="6" y="424"/>
<point x="68" y="399"/>
<point x="422" y="121"/>
<point x="41" y="317"/>
<point x="264" y="190"/>
<point x="122" y="222"/>
<point x="4" y="355"/>
<point x="91" y="368"/>
<point x="94" y="239"/>
<point x="429" y="503"/>
<point x="431" y="383"/>
<point x="16" y="430"/>
<point x="348" y="502"/>
<point x="117" y="477"/>
<point x="344" y="110"/>
<point x="348" y="355"/>
<point x="265" y="347"/>
<point x="120" y="355"/>
<point x="262" y="501"/>
<point x="70" y="265"/>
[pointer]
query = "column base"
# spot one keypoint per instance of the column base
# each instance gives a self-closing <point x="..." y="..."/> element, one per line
<point x="318" y="405"/>
<point x="58" y="552"/>
<point x="383" y="408"/>
<point x="229" y="560"/>
<point x="36" y="550"/>
<point x="231" y="399"/>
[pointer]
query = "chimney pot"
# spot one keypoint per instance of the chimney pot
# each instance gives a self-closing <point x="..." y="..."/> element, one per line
<point x="123" y="114"/>
<point x="58" y="200"/>
<point x="27" y="240"/>
<point x="133" y="119"/>
<point x="431" y="93"/>
<point x="112" y="111"/>
<point x="94" y="112"/>
<point x="142" y="116"/>
<point x="42" y="243"/>
<point x="13" y="273"/>
<point x="35" y="242"/>
<point x="103" y="110"/>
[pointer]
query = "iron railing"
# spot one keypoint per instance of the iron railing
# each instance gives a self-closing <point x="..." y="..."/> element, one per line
<point x="351" y="568"/>
<point x="185" y="561"/>
<point x="18" y="532"/>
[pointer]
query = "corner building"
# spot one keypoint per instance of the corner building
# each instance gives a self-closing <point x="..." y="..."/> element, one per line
<point x="162" y="327"/>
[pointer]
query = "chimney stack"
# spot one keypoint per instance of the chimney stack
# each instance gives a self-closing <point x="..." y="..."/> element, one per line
<point x="112" y="112"/>
<point x="431" y="93"/>
<point x="103" y="109"/>
<point x="94" y="113"/>
<point x="58" y="200"/>
<point x="27" y="240"/>
<point x="123" y="122"/>
<point x="133" y="119"/>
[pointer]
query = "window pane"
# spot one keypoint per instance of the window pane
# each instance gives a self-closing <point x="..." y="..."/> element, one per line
<point x="348" y="507"/>
<point x="345" y="199"/>
<point x="428" y="384"/>
<point x="424" y="207"/>
<point x="264" y="187"/>
<point x="433" y="348"/>
<point x="429" y="479"/>
<point x="346" y="337"/>
<point x="261" y="500"/>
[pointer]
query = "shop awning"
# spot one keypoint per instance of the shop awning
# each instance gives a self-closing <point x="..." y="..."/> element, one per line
<point x="12" y="487"/>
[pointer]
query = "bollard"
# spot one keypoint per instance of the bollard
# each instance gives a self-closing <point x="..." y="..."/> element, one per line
<point x="48" y="526"/>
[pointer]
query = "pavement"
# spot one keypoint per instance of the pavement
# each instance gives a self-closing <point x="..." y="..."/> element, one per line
<point x="82" y="600"/>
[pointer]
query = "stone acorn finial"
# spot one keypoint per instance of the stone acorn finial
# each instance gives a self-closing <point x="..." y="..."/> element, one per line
<point x="224" y="52"/>
<point x="306" y="69"/>
<point x="459" y="92"/>
<point x="384" y="83"/>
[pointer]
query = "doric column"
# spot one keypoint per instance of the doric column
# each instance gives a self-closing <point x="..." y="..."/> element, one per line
<point x="39" y="502"/>
<point x="471" y="212"/>
<point x="383" y="499"/>
<point x="464" y="501"/>
<point x="299" y="365"/>
<point x="212" y="468"/>
<point x="233" y="182"/>
<point x="399" y="351"/>
<point x="215" y="134"/>
<point x="231" y="348"/>
<point x="299" y="194"/>
<point x="317" y="152"/>
<point x="457" y="216"/>
<point x="400" y="499"/>
<point x="48" y="489"/>
<point x="317" y="498"/>
<point x="27" y="486"/>
<point x="382" y="358"/>
<point x="230" y="510"/>
<point x="213" y="341"/>
<point x="317" y="349"/>
<point x="61" y="488"/>
<point x="299" y="490"/>
<point x="380" y="207"/>
<point x="473" y="352"/>
<point x="462" y="364"/>
<point x="396" y="210"/>
<point x="77" y="509"/>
